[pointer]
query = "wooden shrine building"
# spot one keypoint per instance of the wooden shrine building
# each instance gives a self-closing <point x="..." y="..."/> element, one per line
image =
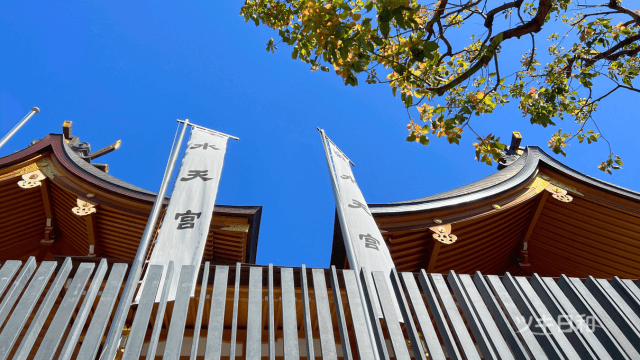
<point x="56" y="201"/>
<point x="536" y="261"/>
<point x="535" y="215"/>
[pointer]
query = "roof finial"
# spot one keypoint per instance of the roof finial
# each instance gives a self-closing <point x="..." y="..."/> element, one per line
<point x="512" y="152"/>
<point x="83" y="149"/>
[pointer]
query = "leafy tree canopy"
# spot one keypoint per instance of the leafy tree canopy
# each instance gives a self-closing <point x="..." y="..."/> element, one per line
<point x="443" y="58"/>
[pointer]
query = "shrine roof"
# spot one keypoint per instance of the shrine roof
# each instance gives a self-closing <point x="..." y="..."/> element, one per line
<point x="122" y="212"/>
<point x="517" y="174"/>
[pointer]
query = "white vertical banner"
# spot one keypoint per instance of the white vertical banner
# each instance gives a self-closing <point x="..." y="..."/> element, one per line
<point x="183" y="233"/>
<point x="357" y="223"/>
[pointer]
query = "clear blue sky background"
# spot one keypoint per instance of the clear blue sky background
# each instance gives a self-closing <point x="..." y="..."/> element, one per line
<point x="128" y="69"/>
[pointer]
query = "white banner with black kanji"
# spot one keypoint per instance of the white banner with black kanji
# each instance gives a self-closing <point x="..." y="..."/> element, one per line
<point x="183" y="234"/>
<point x="362" y="232"/>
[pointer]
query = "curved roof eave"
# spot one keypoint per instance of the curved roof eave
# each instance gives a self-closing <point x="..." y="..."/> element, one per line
<point x="73" y="163"/>
<point x="513" y="176"/>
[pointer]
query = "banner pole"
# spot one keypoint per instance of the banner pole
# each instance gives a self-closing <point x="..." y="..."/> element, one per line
<point x="34" y="110"/>
<point x="115" y="331"/>
<point x="353" y="262"/>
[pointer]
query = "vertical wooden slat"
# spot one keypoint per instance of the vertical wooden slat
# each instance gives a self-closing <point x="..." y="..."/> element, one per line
<point x="606" y="329"/>
<point x="628" y="291"/>
<point x="549" y="291"/>
<point x="609" y="295"/>
<point x="439" y="318"/>
<point x="457" y="323"/>
<point x="216" y="314"/>
<point x="140" y="323"/>
<point x="410" y="326"/>
<point x="173" y="346"/>
<point x="115" y="332"/>
<point x="253" y="344"/>
<point x="83" y="313"/>
<point x="30" y="336"/>
<point x="323" y="313"/>
<point x="510" y="336"/>
<point x="25" y="306"/>
<point x="486" y="320"/>
<point x="342" y="324"/>
<point x="358" y="319"/>
<point x="16" y="288"/>
<point x="370" y="296"/>
<point x="390" y="317"/>
<point x="162" y="306"/>
<point x="234" y="315"/>
<point x="530" y="318"/>
<point x="306" y="313"/>
<point x="8" y="271"/>
<point x="93" y="336"/>
<point x="612" y="308"/>
<point x="549" y="322"/>
<point x="478" y="331"/>
<point x="272" y="330"/>
<point x="198" y="323"/>
<point x="422" y="316"/>
<point x="58" y="325"/>
<point x="289" y="317"/>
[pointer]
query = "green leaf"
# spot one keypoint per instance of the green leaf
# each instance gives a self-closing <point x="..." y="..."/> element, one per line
<point x="411" y="137"/>
<point x="619" y="162"/>
<point x="324" y="68"/>
<point x="417" y="53"/>
<point x="294" y="54"/>
<point x="430" y="46"/>
<point x="344" y="52"/>
<point x="377" y="41"/>
<point x="384" y="28"/>
<point x="408" y="101"/>
<point x="384" y="15"/>
<point x="424" y="140"/>
<point x="369" y="6"/>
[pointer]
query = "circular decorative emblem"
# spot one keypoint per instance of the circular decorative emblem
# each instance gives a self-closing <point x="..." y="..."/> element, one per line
<point x="445" y="238"/>
<point x="33" y="176"/>
<point x="563" y="197"/>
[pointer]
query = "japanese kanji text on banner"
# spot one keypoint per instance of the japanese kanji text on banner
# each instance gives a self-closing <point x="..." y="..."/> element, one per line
<point x="185" y="227"/>
<point x="361" y="230"/>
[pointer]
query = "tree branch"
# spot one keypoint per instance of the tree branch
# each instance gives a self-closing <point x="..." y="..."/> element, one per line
<point x="533" y="25"/>
<point x="615" y="5"/>
<point x="488" y="22"/>
<point x="610" y="55"/>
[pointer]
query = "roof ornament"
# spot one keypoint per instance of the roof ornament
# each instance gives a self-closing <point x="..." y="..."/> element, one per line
<point x="31" y="180"/>
<point x="557" y="189"/>
<point x="512" y="152"/>
<point x="85" y="207"/>
<point x="83" y="149"/>
<point x="443" y="234"/>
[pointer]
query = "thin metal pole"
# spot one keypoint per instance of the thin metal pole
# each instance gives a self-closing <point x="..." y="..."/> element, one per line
<point x="353" y="262"/>
<point x="34" y="110"/>
<point x="115" y="331"/>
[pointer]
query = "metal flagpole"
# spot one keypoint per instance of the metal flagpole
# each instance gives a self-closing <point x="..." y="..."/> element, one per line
<point x="115" y="331"/>
<point x="351" y="255"/>
<point x="34" y="110"/>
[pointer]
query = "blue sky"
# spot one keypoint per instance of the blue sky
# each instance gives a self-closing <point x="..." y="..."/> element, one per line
<point x="127" y="70"/>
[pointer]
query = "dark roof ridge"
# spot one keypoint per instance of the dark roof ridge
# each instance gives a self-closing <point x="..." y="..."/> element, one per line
<point x="514" y="175"/>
